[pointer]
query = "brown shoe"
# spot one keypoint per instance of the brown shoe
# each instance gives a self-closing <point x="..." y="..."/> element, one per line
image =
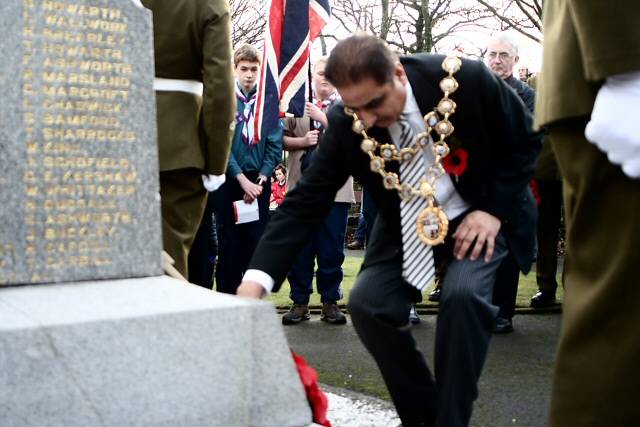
<point x="296" y="314"/>
<point x="355" y="245"/>
<point x="332" y="314"/>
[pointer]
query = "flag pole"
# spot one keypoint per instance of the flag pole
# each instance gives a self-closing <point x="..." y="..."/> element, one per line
<point x="310" y="91"/>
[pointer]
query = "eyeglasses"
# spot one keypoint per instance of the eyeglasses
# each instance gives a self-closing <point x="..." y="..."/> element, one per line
<point x="502" y="55"/>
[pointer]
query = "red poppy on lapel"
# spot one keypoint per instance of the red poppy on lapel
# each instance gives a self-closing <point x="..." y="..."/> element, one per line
<point x="456" y="162"/>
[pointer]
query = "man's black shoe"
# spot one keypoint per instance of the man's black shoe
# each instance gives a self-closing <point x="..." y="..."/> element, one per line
<point x="503" y="326"/>
<point x="435" y="295"/>
<point x="331" y="314"/>
<point x="296" y="314"/>
<point x="543" y="299"/>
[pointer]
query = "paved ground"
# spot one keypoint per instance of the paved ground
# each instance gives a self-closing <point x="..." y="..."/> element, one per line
<point x="514" y="388"/>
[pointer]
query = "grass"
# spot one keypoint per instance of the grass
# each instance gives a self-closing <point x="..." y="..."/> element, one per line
<point x="526" y="288"/>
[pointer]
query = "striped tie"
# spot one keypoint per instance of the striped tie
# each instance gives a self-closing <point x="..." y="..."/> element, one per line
<point x="417" y="263"/>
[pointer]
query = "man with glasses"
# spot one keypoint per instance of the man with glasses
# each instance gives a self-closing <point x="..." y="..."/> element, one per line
<point x="502" y="57"/>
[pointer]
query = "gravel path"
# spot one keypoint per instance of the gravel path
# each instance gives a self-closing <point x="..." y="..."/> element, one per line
<point x="347" y="409"/>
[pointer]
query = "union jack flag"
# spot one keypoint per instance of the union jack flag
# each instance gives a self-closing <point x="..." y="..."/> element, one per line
<point x="293" y="25"/>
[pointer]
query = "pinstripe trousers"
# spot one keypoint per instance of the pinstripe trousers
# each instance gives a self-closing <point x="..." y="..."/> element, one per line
<point x="379" y="306"/>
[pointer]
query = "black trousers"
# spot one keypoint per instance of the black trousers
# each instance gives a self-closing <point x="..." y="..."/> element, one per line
<point x="549" y="219"/>
<point x="204" y="250"/>
<point x="379" y="306"/>
<point x="236" y="242"/>
<point x="505" y="290"/>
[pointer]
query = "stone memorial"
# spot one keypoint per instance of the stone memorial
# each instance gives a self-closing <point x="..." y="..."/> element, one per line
<point x="90" y="333"/>
<point x="79" y="190"/>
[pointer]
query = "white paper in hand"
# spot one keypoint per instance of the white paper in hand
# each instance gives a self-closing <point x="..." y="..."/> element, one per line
<point x="246" y="212"/>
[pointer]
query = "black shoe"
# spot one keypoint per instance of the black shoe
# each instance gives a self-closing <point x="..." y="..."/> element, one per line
<point x="543" y="299"/>
<point x="414" y="319"/>
<point x="503" y="326"/>
<point x="435" y="295"/>
<point x="355" y="245"/>
<point x="331" y="314"/>
<point x="296" y="314"/>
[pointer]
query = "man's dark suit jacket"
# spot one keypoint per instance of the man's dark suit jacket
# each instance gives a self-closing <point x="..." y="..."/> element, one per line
<point x="491" y="124"/>
<point x="526" y="94"/>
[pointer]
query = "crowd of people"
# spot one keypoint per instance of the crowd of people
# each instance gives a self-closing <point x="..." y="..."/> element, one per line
<point x="458" y="187"/>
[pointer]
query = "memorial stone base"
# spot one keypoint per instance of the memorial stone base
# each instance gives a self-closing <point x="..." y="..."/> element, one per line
<point x="143" y="352"/>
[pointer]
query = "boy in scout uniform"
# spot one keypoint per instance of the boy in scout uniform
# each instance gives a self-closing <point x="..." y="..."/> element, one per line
<point x="195" y="108"/>
<point x="251" y="163"/>
<point x="588" y="98"/>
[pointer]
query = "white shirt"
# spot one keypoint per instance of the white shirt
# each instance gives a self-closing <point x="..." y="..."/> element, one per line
<point x="446" y="194"/>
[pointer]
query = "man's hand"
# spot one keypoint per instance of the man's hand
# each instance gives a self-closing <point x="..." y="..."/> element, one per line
<point x="251" y="190"/>
<point x="315" y="113"/>
<point x="481" y="227"/>
<point x="249" y="289"/>
<point x="311" y="138"/>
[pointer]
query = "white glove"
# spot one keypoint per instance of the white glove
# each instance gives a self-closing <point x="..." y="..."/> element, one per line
<point x="614" y="122"/>
<point x="213" y="182"/>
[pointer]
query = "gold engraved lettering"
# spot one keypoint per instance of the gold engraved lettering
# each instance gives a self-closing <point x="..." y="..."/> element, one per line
<point x="88" y="65"/>
<point x="54" y="233"/>
<point x="81" y="204"/>
<point x="86" y="162"/>
<point x="62" y="148"/>
<point x="29" y="176"/>
<point x="76" y="37"/>
<point x="85" y="79"/>
<point x="90" y="190"/>
<point x="62" y="36"/>
<point x="89" y="106"/>
<point x="49" y="176"/>
<point x="6" y="254"/>
<point x="79" y="120"/>
<point x="89" y="218"/>
<point x="84" y="52"/>
<point x="98" y="176"/>
<point x="88" y="135"/>
<point x="84" y="93"/>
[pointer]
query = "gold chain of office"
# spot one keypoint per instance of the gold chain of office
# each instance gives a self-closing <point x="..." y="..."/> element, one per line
<point x="432" y="223"/>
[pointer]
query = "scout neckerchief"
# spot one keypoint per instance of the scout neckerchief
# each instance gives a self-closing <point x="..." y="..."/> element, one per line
<point x="244" y="118"/>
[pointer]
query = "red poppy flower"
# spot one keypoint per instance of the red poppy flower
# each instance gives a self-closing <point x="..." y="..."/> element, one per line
<point x="534" y="189"/>
<point x="317" y="399"/>
<point x="456" y="162"/>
